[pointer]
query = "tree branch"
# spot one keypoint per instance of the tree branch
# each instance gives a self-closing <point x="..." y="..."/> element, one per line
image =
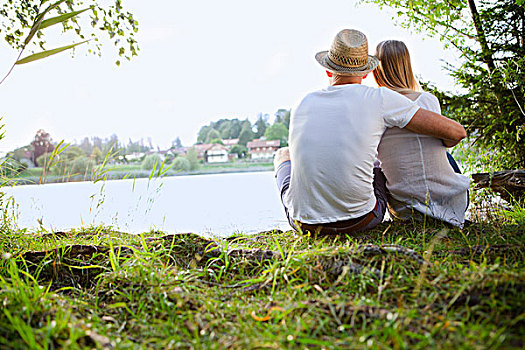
<point x="446" y="25"/>
<point x="13" y="66"/>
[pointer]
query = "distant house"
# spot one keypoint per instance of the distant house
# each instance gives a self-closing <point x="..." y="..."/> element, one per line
<point x="212" y="153"/>
<point x="263" y="149"/>
<point x="217" y="153"/>
<point x="201" y="149"/>
<point x="230" y="142"/>
<point x="181" y="151"/>
<point x="135" y="156"/>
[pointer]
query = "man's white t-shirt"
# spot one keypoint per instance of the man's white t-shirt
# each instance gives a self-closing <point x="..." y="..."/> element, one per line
<point x="334" y="134"/>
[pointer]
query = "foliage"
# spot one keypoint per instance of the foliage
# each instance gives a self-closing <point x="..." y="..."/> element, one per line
<point x="212" y="135"/>
<point x="81" y="165"/>
<point x="11" y="167"/>
<point x="260" y="125"/>
<point x="246" y="135"/>
<point x="229" y="128"/>
<point x="72" y="152"/>
<point x="96" y="155"/>
<point x="181" y="164"/>
<point x="64" y="163"/>
<point x="490" y="36"/>
<point x="277" y="131"/>
<point x="176" y="143"/>
<point x="283" y="116"/>
<point x="43" y="160"/>
<point x="223" y="129"/>
<point x="240" y="150"/>
<point x="192" y="157"/>
<point x="136" y="147"/>
<point x="18" y="19"/>
<point x="41" y="144"/>
<point x="151" y="161"/>
<point x="24" y="152"/>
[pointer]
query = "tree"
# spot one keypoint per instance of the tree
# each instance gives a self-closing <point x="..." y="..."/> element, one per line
<point x="23" y="21"/>
<point x="80" y="165"/>
<point x="63" y="162"/>
<point x="181" y="164"/>
<point x="151" y="161"/>
<point x="72" y="152"/>
<point x="277" y="131"/>
<point x="283" y="116"/>
<point x="246" y="134"/>
<point x="176" y="143"/>
<point x="111" y="146"/>
<point x="203" y="134"/>
<point x="192" y="157"/>
<point x="96" y="155"/>
<point x="225" y="129"/>
<point x="11" y="167"/>
<point x="235" y="128"/>
<point x="41" y="144"/>
<point x="260" y="125"/>
<point x="240" y="150"/>
<point x="20" y="153"/>
<point x="212" y="135"/>
<point x="490" y="36"/>
<point x="86" y="146"/>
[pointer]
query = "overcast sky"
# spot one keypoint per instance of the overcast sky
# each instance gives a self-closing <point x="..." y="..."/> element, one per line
<point x="199" y="61"/>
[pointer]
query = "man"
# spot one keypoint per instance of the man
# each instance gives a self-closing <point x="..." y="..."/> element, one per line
<point x="327" y="177"/>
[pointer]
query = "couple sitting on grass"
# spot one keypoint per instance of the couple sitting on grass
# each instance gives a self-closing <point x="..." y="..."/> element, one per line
<point x="355" y="151"/>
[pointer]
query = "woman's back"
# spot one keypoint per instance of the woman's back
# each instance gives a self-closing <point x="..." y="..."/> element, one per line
<point x="419" y="176"/>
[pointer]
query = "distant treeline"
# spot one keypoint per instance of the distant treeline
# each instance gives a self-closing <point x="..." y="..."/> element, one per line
<point x="244" y="130"/>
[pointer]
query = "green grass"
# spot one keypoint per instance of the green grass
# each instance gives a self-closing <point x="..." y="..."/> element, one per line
<point x="98" y="288"/>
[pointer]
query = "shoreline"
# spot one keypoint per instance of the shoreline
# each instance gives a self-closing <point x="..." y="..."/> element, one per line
<point x="137" y="174"/>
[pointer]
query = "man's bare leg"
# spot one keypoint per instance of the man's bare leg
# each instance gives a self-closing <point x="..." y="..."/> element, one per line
<point x="281" y="156"/>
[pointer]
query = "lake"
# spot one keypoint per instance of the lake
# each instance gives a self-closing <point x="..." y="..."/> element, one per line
<point x="220" y="204"/>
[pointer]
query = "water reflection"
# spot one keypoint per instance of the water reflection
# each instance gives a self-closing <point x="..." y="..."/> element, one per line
<point x="207" y="204"/>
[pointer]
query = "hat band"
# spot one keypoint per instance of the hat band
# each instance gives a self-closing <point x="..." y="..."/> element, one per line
<point x="337" y="67"/>
<point x="348" y="61"/>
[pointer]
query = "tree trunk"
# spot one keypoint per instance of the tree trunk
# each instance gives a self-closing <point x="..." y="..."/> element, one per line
<point x="487" y="54"/>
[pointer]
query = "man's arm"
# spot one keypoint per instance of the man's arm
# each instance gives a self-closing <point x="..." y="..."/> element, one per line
<point x="429" y="123"/>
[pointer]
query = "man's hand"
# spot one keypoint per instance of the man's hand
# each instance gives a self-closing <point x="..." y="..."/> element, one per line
<point x="429" y="123"/>
<point x="281" y="156"/>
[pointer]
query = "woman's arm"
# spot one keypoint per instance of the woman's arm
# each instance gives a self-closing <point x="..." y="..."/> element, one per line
<point x="429" y="123"/>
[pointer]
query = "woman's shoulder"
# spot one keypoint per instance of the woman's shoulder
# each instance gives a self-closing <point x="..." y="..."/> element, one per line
<point x="427" y="96"/>
<point x="428" y="101"/>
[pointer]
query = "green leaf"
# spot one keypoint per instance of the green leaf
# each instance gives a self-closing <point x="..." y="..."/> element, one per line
<point x="38" y="22"/>
<point x="40" y="17"/>
<point x="44" y="54"/>
<point x="61" y="18"/>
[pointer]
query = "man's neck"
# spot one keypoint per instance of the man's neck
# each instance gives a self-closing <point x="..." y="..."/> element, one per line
<point x="344" y="79"/>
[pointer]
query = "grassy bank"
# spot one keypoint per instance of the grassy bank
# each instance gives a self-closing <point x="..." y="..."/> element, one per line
<point x="414" y="286"/>
<point x="120" y="171"/>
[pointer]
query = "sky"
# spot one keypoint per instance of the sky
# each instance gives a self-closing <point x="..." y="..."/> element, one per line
<point x="199" y="61"/>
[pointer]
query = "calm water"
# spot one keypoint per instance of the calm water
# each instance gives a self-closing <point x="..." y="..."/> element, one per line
<point x="207" y="204"/>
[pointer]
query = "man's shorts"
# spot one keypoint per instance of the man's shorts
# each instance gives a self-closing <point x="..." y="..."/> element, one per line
<point x="359" y="224"/>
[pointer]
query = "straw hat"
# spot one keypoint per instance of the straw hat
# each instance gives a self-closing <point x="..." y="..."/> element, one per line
<point x="348" y="54"/>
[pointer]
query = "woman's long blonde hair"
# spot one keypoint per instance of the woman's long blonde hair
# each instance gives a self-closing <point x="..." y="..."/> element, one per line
<point x="395" y="69"/>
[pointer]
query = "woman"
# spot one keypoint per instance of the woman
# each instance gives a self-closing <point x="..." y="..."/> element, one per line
<point x="419" y="171"/>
